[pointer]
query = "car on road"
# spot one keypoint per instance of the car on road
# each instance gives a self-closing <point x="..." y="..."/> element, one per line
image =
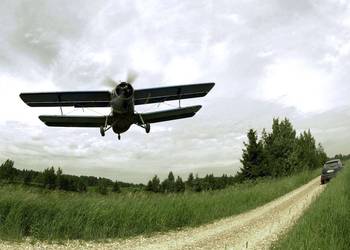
<point x="330" y="170"/>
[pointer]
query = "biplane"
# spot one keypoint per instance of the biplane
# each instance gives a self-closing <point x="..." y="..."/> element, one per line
<point x="122" y="99"/>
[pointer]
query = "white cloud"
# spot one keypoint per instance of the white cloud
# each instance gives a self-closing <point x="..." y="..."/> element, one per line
<point x="182" y="70"/>
<point x="296" y="83"/>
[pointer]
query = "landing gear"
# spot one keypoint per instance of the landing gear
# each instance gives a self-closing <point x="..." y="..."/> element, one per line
<point x="148" y="128"/>
<point x="106" y="127"/>
<point x="102" y="131"/>
<point x="144" y="125"/>
<point x="119" y="137"/>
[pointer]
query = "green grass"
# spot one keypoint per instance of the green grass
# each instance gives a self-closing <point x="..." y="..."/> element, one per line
<point x="53" y="215"/>
<point x="326" y="224"/>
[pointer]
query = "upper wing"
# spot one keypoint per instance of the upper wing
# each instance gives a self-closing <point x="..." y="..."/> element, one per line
<point x="76" y="99"/>
<point x="75" y="121"/>
<point x="153" y="95"/>
<point x="167" y="115"/>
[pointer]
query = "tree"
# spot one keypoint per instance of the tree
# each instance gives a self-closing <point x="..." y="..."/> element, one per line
<point x="49" y="178"/>
<point x="305" y="153"/>
<point x="154" y="185"/>
<point x="116" y="187"/>
<point x="280" y="152"/>
<point x="322" y="156"/>
<point x="149" y="186"/>
<point x="60" y="182"/>
<point x="168" y="185"/>
<point x="164" y="186"/>
<point x="279" y="148"/>
<point x="80" y="186"/>
<point x="197" y="185"/>
<point x="224" y="181"/>
<point x="27" y="177"/>
<point x="190" y="181"/>
<point x="179" y="185"/>
<point x="253" y="157"/>
<point x="7" y="171"/>
<point x="102" y="187"/>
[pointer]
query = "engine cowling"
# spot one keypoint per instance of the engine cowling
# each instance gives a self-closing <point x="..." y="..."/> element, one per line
<point x="122" y="101"/>
<point x="124" y="90"/>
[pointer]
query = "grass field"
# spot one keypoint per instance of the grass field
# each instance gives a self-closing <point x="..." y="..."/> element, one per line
<point x="53" y="215"/>
<point x="326" y="224"/>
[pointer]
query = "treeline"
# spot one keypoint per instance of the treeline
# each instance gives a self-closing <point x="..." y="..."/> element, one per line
<point x="276" y="154"/>
<point x="342" y="157"/>
<point x="279" y="153"/>
<point x="55" y="179"/>
<point x="194" y="184"/>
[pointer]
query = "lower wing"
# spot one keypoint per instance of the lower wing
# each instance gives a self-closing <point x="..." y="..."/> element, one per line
<point x="75" y="121"/>
<point x="167" y="115"/>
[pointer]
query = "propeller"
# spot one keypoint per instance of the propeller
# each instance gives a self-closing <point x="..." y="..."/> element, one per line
<point x="110" y="82"/>
<point x="130" y="78"/>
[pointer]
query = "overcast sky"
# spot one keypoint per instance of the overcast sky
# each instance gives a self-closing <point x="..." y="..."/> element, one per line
<point x="268" y="59"/>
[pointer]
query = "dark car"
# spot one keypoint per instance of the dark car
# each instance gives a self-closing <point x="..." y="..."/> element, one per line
<point x="330" y="170"/>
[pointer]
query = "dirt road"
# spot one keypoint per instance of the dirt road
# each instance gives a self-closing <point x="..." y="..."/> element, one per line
<point x="255" y="229"/>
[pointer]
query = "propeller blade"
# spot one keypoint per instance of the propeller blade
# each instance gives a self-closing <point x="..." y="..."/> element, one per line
<point x="109" y="82"/>
<point x="131" y="77"/>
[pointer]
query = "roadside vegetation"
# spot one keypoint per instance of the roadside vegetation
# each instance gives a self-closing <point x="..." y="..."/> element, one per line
<point x="55" y="215"/>
<point x="54" y="206"/>
<point x="326" y="224"/>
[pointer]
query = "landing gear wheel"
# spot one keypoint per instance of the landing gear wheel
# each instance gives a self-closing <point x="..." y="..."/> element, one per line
<point x="148" y="128"/>
<point x="102" y="131"/>
<point x="119" y="137"/>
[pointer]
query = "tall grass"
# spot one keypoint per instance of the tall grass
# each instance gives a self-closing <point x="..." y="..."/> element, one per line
<point x="326" y="224"/>
<point x="51" y="215"/>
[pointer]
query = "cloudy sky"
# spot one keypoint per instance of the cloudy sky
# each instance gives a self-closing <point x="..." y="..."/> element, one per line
<point x="268" y="59"/>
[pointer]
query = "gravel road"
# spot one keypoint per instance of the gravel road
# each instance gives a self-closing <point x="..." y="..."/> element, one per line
<point x="255" y="229"/>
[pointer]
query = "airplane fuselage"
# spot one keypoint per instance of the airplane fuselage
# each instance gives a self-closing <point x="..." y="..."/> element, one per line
<point x="123" y="108"/>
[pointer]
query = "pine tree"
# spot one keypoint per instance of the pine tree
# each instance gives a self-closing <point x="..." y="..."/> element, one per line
<point x="179" y="185"/>
<point x="197" y="185"/>
<point x="116" y="187"/>
<point x="253" y="157"/>
<point x="164" y="186"/>
<point x="7" y="171"/>
<point x="27" y="177"/>
<point x="224" y="181"/>
<point x="322" y="156"/>
<point x="154" y="185"/>
<point x="279" y="148"/>
<point x="305" y="152"/>
<point x="49" y="178"/>
<point x="190" y="181"/>
<point x="149" y="186"/>
<point x="60" y="183"/>
<point x="102" y="187"/>
<point x="81" y="186"/>
<point x="171" y="182"/>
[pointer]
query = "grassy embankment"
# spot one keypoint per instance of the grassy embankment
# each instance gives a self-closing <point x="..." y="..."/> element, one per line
<point x="53" y="215"/>
<point x="326" y="224"/>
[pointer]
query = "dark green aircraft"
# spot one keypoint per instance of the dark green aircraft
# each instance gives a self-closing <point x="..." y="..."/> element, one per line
<point x="122" y="100"/>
